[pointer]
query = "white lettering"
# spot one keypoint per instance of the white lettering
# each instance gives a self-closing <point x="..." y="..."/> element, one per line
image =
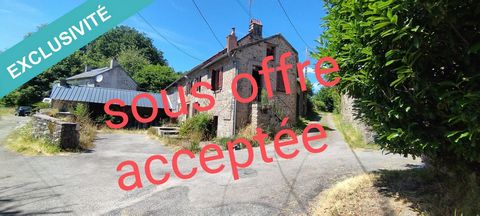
<point x="31" y="59"/>
<point x="11" y="71"/>
<point x="102" y="15"/>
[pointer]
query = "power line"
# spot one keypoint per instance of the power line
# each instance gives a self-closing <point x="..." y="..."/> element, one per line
<point x="243" y="8"/>
<point x="210" y="27"/>
<point x="166" y="39"/>
<point x="293" y="26"/>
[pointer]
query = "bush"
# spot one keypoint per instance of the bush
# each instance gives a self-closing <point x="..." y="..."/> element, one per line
<point x="88" y="130"/>
<point x="413" y="68"/>
<point x="197" y="127"/>
<point x="40" y="105"/>
<point x="22" y="141"/>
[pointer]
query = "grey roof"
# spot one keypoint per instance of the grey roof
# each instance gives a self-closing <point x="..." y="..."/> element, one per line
<point x="223" y="53"/>
<point x="101" y="95"/>
<point x="91" y="73"/>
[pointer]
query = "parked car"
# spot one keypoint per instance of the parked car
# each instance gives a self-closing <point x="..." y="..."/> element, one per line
<point x="23" y="111"/>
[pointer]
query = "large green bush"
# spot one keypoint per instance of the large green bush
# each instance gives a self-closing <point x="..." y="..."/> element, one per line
<point x="198" y="127"/>
<point x="413" y="66"/>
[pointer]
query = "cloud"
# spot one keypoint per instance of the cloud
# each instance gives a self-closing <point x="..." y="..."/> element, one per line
<point x="309" y="70"/>
<point x="316" y="87"/>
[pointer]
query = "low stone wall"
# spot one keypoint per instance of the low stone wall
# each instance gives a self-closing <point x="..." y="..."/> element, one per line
<point x="349" y="115"/>
<point x="58" y="132"/>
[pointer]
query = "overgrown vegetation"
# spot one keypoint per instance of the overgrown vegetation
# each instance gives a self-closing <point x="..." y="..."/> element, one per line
<point x="198" y="127"/>
<point x="6" y="111"/>
<point x="401" y="192"/>
<point x="40" y="105"/>
<point x="413" y="68"/>
<point x="22" y="141"/>
<point x="88" y="130"/>
<point x="192" y="131"/>
<point x="327" y="99"/>
<point x="352" y="135"/>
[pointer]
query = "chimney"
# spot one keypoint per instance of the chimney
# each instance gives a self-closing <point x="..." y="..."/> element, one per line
<point x="231" y="41"/>
<point x="88" y="68"/>
<point x="255" y="28"/>
<point x="113" y="63"/>
<point x="63" y="82"/>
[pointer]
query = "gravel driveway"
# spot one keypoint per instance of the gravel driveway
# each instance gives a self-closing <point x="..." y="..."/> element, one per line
<point x="86" y="183"/>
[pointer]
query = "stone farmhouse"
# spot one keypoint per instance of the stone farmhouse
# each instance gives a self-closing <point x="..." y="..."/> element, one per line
<point x="244" y="56"/>
<point x="107" y="77"/>
<point x="98" y="86"/>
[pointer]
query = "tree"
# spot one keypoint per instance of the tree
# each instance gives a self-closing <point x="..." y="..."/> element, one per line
<point x="412" y="66"/>
<point x="327" y="99"/>
<point x="154" y="78"/>
<point x="132" y="61"/>
<point x="118" y="40"/>
<point x="39" y="87"/>
<point x="133" y="50"/>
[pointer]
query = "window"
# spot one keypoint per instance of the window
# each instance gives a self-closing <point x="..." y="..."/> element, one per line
<point x="271" y="51"/>
<point x="217" y="79"/>
<point x="280" y="84"/>
<point x="198" y="79"/>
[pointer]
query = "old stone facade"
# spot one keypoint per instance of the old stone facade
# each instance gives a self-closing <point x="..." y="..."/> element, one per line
<point x="108" y="77"/>
<point x="244" y="56"/>
<point x="56" y="131"/>
<point x="349" y="115"/>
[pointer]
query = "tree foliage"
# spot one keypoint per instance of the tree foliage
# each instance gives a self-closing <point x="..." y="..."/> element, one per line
<point x="327" y="99"/>
<point x="412" y="66"/>
<point x="132" y="49"/>
<point x="118" y="40"/>
<point x="154" y="78"/>
<point x="132" y="61"/>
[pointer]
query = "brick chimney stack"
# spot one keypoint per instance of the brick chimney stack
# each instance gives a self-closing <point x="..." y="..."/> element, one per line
<point x="255" y="28"/>
<point x="231" y="41"/>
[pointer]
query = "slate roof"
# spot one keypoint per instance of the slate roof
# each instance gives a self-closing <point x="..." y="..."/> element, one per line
<point x="223" y="53"/>
<point x="88" y="74"/>
<point x="101" y="95"/>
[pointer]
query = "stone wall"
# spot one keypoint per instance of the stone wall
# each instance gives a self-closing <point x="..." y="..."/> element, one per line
<point x="58" y="132"/>
<point x="232" y="115"/>
<point x="349" y="115"/>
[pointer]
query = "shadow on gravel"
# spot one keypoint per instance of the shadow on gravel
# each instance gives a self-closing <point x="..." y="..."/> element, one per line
<point x="14" y="197"/>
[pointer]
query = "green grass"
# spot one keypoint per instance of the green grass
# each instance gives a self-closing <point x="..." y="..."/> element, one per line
<point x="351" y="135"/>
<point x="22" y="141"/>
<point x="6" y="111"/>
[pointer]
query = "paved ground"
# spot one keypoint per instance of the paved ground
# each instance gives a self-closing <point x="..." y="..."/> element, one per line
<point x="86" y="184"/>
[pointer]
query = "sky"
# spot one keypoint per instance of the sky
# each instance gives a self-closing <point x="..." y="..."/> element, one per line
<point x="181" y="23"/>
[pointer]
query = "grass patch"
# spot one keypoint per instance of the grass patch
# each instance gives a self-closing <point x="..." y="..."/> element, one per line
<point x="401" y="192"/>
<point x="4" y="111"/>
<point x="351" y="134"/>
<point x="178" y="143"/>
<point x="22" y="141"/>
